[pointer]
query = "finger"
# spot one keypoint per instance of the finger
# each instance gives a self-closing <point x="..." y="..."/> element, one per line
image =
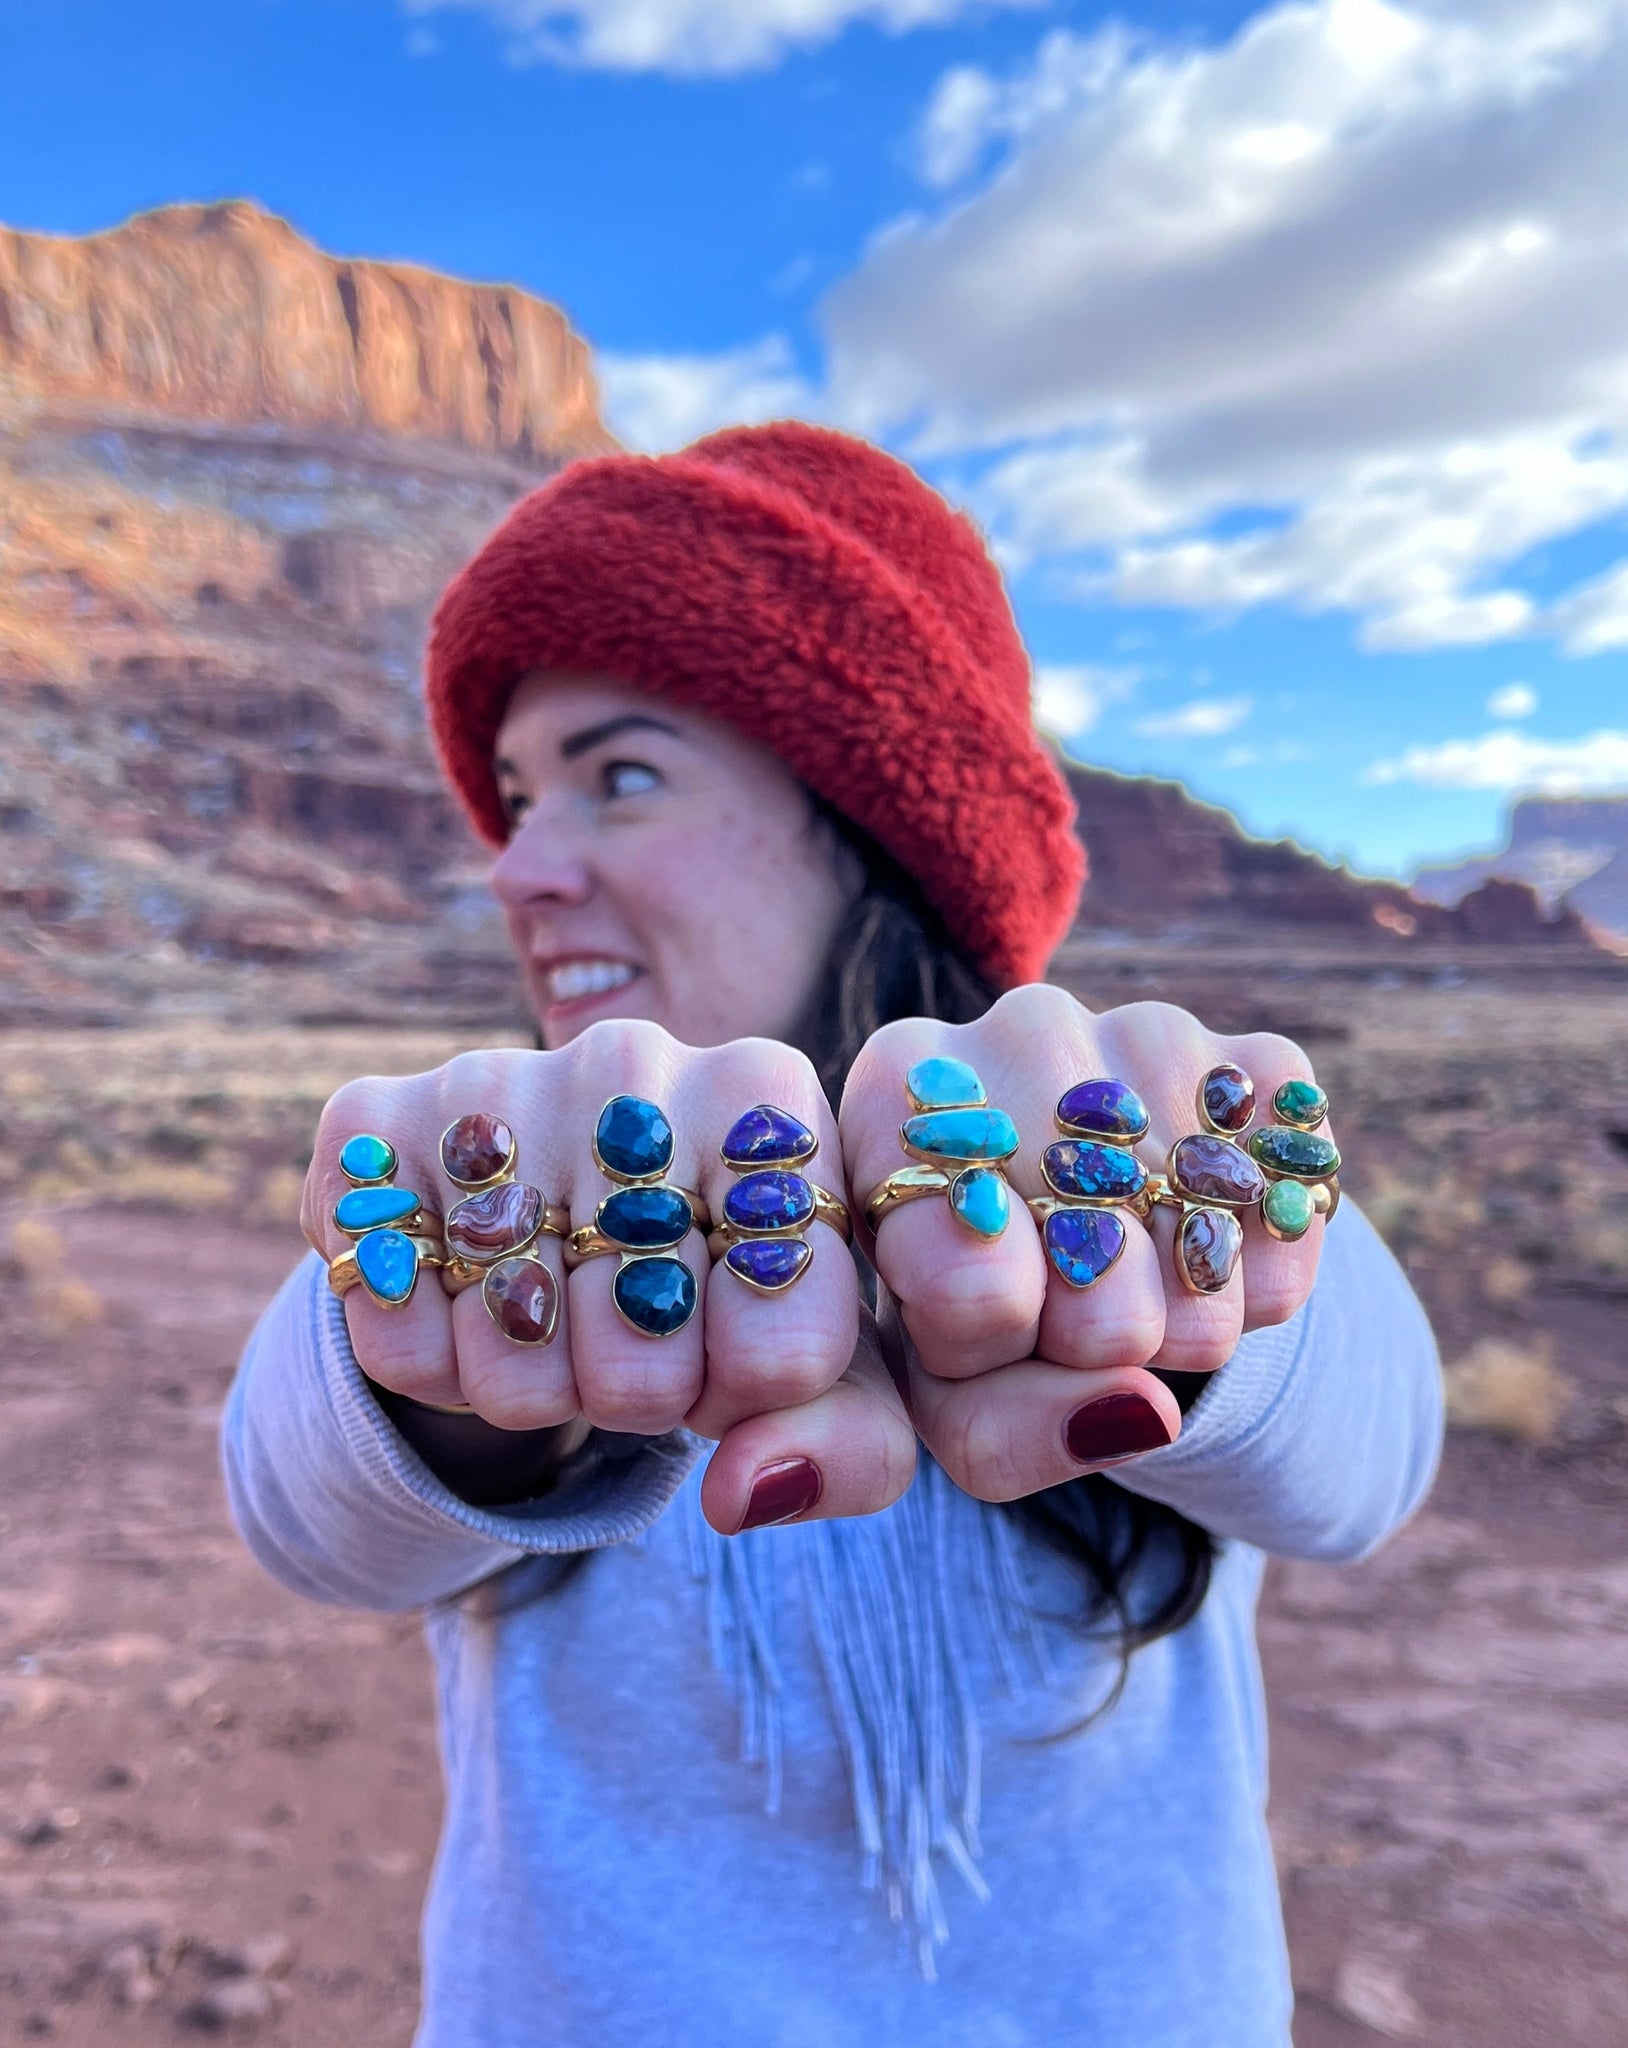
<point x="1278" y="1275"/>
<point x="513" y="1385"/>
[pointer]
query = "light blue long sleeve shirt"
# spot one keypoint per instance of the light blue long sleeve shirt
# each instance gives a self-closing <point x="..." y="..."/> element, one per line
<point x="671" y="1777"/>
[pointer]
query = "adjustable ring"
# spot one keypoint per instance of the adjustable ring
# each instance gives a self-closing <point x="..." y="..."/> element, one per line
<point x="491" y="1232"/>
<point x="393" y="1235"/>
<point x="1093" y="1172"/>
<point x="643" y="1219"/>
<point x="770" y="1205"/>
<point x="1302" y="1167"/>
<point x="961" y="1143"/>
<point x="1209" y="1178"/>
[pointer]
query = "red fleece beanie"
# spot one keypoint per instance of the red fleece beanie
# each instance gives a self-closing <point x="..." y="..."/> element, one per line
<point x="816" y="595"/>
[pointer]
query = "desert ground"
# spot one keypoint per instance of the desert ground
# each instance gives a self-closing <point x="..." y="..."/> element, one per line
<point x="217" y="1804"/>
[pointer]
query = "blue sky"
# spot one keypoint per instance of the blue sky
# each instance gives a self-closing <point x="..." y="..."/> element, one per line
<point x="1282" y="350"/>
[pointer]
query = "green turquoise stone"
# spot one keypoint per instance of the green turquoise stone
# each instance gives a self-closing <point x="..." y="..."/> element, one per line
<point x="371" y="1208"/>
<point x="367" y="1158"/>
<point x="388" y="1264"/>
<point x="981" y="1200"/>
<point x="1303" y="1154"/>
<point x="1288" y="1207"/>
<point x="1302" y="1103"/>
<point x="962" y="1134"/>
<point x="944" y="1084"/>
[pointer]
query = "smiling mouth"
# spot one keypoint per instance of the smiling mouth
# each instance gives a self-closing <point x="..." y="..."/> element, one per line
<point x="572" y="981"/>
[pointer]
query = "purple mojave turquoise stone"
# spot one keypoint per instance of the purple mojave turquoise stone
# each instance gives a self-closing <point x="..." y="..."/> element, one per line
<point x="1215" y="1170"/>
<point x="1082" y="1243"/>
<point x="1093" y="1172"/>
<point x="769" y="1262"/>
<point x="1104" y="1109"/>
<point x="770" y="1200"/>
<point x="768" y="1136"/>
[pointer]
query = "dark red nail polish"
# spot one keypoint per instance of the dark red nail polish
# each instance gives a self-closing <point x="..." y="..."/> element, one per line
<point x="780" y="1492"/>
<point x="1114" y="1426"/>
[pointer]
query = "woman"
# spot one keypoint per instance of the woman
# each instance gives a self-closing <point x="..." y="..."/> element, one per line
<point x="750" y="726"/>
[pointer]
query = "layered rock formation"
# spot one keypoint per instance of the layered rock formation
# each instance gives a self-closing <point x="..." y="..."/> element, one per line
<point x="1572" y="852"/>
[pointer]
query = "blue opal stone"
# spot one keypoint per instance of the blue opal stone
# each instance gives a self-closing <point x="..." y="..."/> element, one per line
<point x="368" y="1208"/>
<point x="988" y="1134"/>
<point x="388" y="1265"/>
<point x="645" y="1219"/>
<point x="657" y="1296"/>
<point x="767" y="1136"/>
<point x="769" y="1262"/>
<point x="1092" y="1172"/>
<point x="944" y="1084"/>
<point x="1104" y="1109"/>
<point x="771" y="1200"/>
<point x="1307" y="1155"/>
<point x="367" y="1158"/>
<point x="980" y="1198"/>
<point x="633" y="1140"/>
<point x="1082" y="1243"/>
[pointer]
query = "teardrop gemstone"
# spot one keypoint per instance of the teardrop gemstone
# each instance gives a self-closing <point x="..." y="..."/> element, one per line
<point x="495" y="1222"/>
<point x="769" y="1200"/>
<point x="1287" y="1209"/>
<point x="523" y="1299"/>
<point x="1091" y="1172"/>
<point x="1207" y="1246"/>
<point x="657" y="1296"/>
<point x="361" y="1209"/>
<point x="366" y="1158"/>
<point x="1104" y="1109"/>
<point x="981" y="1199"/>
<point x="388" y="1263"/>
<point x="766" y="1136"/>
<point x="476" y="1149"/>
<point x="1301" y="1103"/>
<point x="633" y="1140"/>
<point x="987" y="1134"/>
<point x="1082" y="1243"/>
<point x="645" y="1219"/>
<point x="1304" y="1154"/>
<point x="769" y="1263"/>
<point x="1226" y="1098"/>
<point x="944" y="1084"/>
<point x="1215" y="1170"/>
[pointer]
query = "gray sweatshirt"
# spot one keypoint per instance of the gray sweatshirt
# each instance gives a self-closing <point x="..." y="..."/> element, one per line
<point x="825" y="1784"/>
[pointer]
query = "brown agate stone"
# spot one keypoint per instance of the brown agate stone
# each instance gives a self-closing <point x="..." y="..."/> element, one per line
<point x="1227" y="1097"/>
<point x="502" y="1219"/>
<point x="477" y="1148"/>
<point x="1208" y="1245"/>
<point x="524" y="1300"/>
<point x="1214" y="1170"/>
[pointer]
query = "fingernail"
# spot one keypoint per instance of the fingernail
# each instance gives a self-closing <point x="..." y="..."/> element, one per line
<point x="782" y="1492"/>
<point x="1115" y="1426"/>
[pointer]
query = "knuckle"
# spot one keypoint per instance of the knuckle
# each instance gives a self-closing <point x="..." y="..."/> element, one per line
<point x="1270" y="1052"/>
<point x="1037" y="1005"/>
<point x="979" y="1450"/>
<point x="766" y="1064"/>
<point x="636" y="1042"/>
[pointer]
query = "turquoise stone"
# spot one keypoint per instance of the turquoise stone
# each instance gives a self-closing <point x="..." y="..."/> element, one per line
<point x="769" y="1200"/>
<point x="1082" y="1243"/>
<point x="944" y="1084"/>
<point x="1302" y="1103"/>
<point x="645" y="1219"/>
<point x="769" y="1263"/>
<point x="388" y="1264"/>
<point x="362" y="1209"/>
<point x="766" y="1136"/>
<point x="962" y="1134"/>
<point x="981" y="1200"/>
<point x="1288" y="1208"/>
<point x="365" y="1158"/>
<point x="1302" y="1154"/>
<point x="1104" y="1109"/>
<point x="1086" y="1171"/>
<point x="657" y="1296"/>
<point x="633" y="1140"/>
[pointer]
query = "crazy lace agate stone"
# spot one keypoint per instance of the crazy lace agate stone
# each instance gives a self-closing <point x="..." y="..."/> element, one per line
<point x="477" y="1149"/>
<point x="388" y="1263"/>
<point x="770" y="1199"/>
<point x="364" y="1209"/>
<point x="981" y="1199"/>
<point x="958" y="1135"/>
<point x="489" y="1225"/>
<point x="657" y="1296"/>
<point x="523" y="1298"/>
<point x="1105" y="1109"/>
<point x="1081" y="1169"/>
<point x="1208" y="1243"/>
<point x="1082" y="1243"/>
<point x="1215" y="1170"/>
<point x="1304" y="1155"/>
<point x="366" y="1158"/>
<point x="766" y="1136"/>
<point x="769" y="1263"/>
<point x="944" y="1084"/>
<point x="633" y="1139"/>
<point x="1226" y="1098"/>
<point x="645" y="1219"/>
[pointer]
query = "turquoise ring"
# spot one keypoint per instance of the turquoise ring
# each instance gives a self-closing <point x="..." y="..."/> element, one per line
<point x="962" y="1145"/>
<point x="392" y="1237"/>
<point x="1093" y="1175"/>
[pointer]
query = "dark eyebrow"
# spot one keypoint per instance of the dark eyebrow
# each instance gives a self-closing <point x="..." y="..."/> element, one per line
<point x="593" y="736"/>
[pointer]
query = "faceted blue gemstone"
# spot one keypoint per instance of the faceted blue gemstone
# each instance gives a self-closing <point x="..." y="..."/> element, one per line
<point x="771" y="1200"/>
<point x="365" y="1157"/>
<point x="769" y="1262"/>
<point x="645" y="1218"/>
<point x="1082" y="1243"/>
<point x="362" y="1209"/>
<point x="981" y="1199"/>
<point x="657" y="1296"/>
<point x="944" y="1084"/>
<point x="962" y="1134"/>
<point x="388" y="1265"/>
<point x="767" y="1136"/>
<point x="633" y="1139"/>
<point x="1104" y="1109"/>
<point x="1097" y="1173"/>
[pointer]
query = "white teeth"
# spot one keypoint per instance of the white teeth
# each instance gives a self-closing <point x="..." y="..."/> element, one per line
<point x="573" y="979"/>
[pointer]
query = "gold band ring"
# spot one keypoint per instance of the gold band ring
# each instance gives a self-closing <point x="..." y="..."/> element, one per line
<point x="588" y="1241"/>
<point x="344" y="1272"/>
<point x="829" y="1209"/>
<point x="962" y="1144"/>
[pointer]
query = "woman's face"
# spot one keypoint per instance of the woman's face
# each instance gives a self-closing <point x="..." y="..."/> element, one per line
<point x="660" y="866"/>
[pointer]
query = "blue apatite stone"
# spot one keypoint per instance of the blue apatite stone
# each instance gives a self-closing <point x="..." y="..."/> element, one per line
<point x="981" y="1200"/>
<point x="645" y="1219"/>
<point x="1082" y="1243"/>
<point x="769" y="1262"/>
<point x="633" y="1138"/>
<point x="370" y="1208"/>
<point x="1093" y="1172"/>
<point x="988" y="1134"/>
<point x="771" y="1200"/>
<point x="1105" y="1109"/>
<point x="944" y="1084"/>
<point x="657" y="1296"/>
<point x="365" y="1157"/>
<point x="767" y="1136"/>
<point x="388" y="1264"/>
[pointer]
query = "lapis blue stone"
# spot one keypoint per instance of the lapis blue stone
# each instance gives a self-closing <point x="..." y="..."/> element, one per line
<point x="633" y="1139"/>
<point x="388" y="1264"/>
<point x="1082" y="1243"/>
<point x="657" y="1296"/>
<point x="1093" y="1172"/>
<point x="365" y="1157"/>
<point x="645" y="1219"/>
<point x="981" y="1199"/>
<point x="362" y="1209"/>
<point x="770" y="1200"/>
<point x="962" y="1134"/>
<point x="769" y="1262"/>
<point x="1104" y="1109"/>
<point x="944" y="1084"/>
<point x="767" y="1136"/>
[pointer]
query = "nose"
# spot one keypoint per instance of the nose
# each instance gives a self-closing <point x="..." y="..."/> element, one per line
<point x="541" y="864"/>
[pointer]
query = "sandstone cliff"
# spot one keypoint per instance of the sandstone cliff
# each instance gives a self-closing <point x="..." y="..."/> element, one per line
<point x="1571" y="851"/>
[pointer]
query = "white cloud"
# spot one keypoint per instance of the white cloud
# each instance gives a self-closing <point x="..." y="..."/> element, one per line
<point x="1594" y="617"/>
<point x="1513" y="761"/>
<point x="656" y="403"/>
<point x="1069" y="699"/>
<point x="1513" y="700"/>
<point x="1204" y="719"/>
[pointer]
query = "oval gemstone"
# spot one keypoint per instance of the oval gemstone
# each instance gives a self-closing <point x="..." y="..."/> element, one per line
<point x="769" y="1262"/>
<point x="365" y="1157"/>
<point x="1226" y="1098"/>
<point x="1214" y="1170"/>
<point x="523" y="1299"/>
<point x="477" y="1148"/>
<point x="1304" y="1154"/>
<point x="981" y="1199"/>
<point x="1093" y="1172"/>
<point x="770" y="1200"/>
<point x="388" y="1264"/>
<point x="1082" y="1243"/>
<point x="632" y="1139"/>
<point x="657" y="1296"/>
<point x="962" y="1134"/>
<point x="645" y="1219"/>
<point x="1104" y="1109"/>
<point x="503" y="1219"/>
<point x="1287" y="1209"/>
<point x="1301" y="1103"/>
<point x="1208" y="1244"/>
<point x="360" y="1209"/>
<point x="767" y="1136"/>
<point x="944" y="1084"/>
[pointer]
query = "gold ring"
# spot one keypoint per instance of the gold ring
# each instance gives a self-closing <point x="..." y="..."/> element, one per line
<point x="365" y="1263"/>
<point x="589" y="1241"/>
<point x="962" y="1144"/>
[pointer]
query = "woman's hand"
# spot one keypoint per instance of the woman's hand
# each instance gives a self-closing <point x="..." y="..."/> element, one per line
<point x="1017" y="1381"/>
<point x="777" y="1378"/>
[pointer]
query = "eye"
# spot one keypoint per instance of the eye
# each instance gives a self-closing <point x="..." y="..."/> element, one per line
<point x="515" y="806"/>
<point x="628" y="778"/>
